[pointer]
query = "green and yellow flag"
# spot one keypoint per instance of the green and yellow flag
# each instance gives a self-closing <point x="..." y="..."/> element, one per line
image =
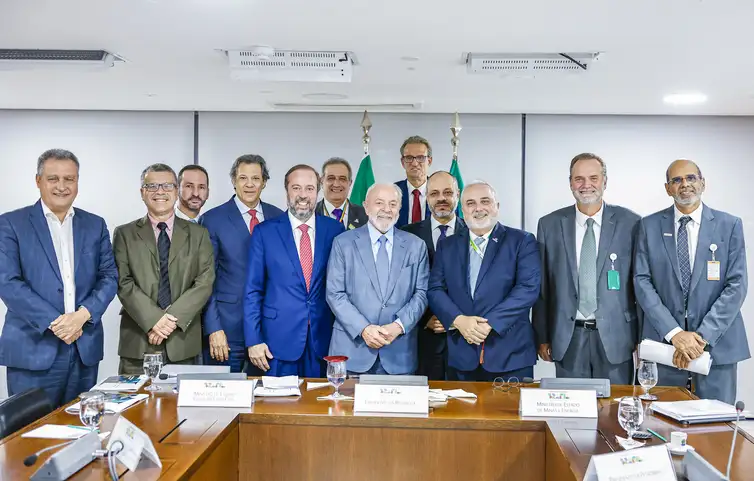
<point x="455" y="171"/>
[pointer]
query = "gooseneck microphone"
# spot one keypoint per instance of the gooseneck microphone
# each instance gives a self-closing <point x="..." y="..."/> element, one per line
<point x="739" y="409"/>
<point x="32" y="458"/>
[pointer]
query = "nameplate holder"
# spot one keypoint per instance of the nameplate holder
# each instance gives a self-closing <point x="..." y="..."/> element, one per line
<point x="131" y="444"/>
<point x="216" y="393"/>
<point x="643" y="464"/>
<point x="384" y="399"/>
<point x="557" y="403"/>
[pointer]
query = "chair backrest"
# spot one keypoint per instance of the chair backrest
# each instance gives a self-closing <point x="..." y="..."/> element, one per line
<point x="21" y="409"/>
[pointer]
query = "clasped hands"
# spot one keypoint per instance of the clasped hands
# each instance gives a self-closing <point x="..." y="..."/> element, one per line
<point x="474" y="329"/>
<point x="69" y="327"/>
<point x="164" y="328"/>
<point x="380" y="336"/>
<point x="688" y="346"/>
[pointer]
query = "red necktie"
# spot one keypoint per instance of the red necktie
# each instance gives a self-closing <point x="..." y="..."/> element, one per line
<point x="416" y="210"/>
<point x="254" y="221"/>
<point x="305" y="254"/>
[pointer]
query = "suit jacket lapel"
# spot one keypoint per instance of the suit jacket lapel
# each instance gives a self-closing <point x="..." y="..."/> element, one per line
<point x="426" y="235"/>
<point x="319" y="246"/>
<point x="236" y="218"/>
<point x="146" y="234"/>
<point x="45" y="238"/>
<point x="464" y="258"/>
<point x="403" y="214"/>
<point x="668" y="227"/>
<point x="285" y="231"/>
<point x="78" y="242"/>
<point x="320" y="208"/>
<point x="396" y="261"/>
<point x="364" y="246"/>
<point x="607" y="230"/>
<point x="568" y="227"/>
<point x="706" y="231"/>
<point x="493" y="245"/>
<point x="178" y="239"/>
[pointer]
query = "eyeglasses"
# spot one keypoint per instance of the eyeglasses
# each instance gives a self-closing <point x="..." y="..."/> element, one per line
<point x="691" y="179"/>
<point x="410" y="159"/>
<point x="166" y="187"/>
<point x="512" y="385"/>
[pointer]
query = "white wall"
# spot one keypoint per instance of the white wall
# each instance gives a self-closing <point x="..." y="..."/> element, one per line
<point x="637" y="151"/>
<point x="113" y="148"/>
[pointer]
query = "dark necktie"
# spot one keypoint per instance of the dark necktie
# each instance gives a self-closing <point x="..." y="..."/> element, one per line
<point x="337" y="213"/>
<point x="416" y="209"/>
<point x="684" y="260"/>
<point x="443" y="232"/>
<point x="164" y="298"/>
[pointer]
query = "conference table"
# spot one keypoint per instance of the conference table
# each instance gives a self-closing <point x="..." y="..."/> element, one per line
<point x="302" y="438"/>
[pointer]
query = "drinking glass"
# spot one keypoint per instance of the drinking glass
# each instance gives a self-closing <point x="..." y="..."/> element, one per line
<point x="92" y="409"/>
<point x="336" y="373"/>
<point x="630" y="414"/>
<point x="647" y="379"/>
<point x="152" y="368"/>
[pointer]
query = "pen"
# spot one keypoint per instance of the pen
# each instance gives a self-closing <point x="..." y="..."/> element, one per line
<point x="657" y="435"/>
<point x="78" y="427"/>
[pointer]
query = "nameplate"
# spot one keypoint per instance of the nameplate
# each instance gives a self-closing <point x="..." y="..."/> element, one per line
<point x="213" y="393"/>
<point x="646" y="464"/>
<point x="558" y="403"/>
<point x="375" y="398"/>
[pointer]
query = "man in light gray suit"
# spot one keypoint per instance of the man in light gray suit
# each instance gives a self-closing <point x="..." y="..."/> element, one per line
<point x="586" y="317"/>
<point x="377" y="288"/>
<point x="691" y="281"/>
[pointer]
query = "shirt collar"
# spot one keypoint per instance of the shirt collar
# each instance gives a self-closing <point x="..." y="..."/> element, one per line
<point x="329" y="207"/>
<point x="436" y="223"/>
<point x="581" y="217"/>
<point x="486" y="236"/>
<point x="375" y="235"/>
<point x="422" y="189"/>
<point x="169" y="222"/>
<point x="696" y="216"/>
<point x="295" y="223"/>
<point x="244" y="208"/>
<point x="47" y="212"/>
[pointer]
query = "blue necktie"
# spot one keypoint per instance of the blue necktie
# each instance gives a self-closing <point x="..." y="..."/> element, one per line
<point x="475" y="263"/>
<point x="443" y="232"/>
<point x="383" y="265"/>
<point x="684" y="260"/>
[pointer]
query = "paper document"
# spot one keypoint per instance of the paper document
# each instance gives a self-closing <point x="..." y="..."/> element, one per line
<point x="454" y="393"/>
<point x="271" y="382"/>
<point x="696" y="408"/>
<point x="663" y="354"/>
<point x="121" y="383"/>
<point x="282" y="392"/>
<point x="59" y="431"/>
<point x="316" y="385"/>
<point x="114" y="403"/>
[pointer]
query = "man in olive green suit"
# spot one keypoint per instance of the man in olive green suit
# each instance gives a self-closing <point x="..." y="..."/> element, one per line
<point x="166" y="272"/>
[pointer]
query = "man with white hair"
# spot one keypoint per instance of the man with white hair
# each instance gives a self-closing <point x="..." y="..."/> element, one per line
<point x="483" y="283"/>
<point x="377" y="288"/>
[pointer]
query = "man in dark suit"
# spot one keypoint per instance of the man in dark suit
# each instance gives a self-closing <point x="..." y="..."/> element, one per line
<point x="166" y="271"/>
<point x="57" y="277"/>
<point x="230" y="226"/>
<point x="287" y="322"/>
<point x="416" y="157"/>
<point x="586" y="317"/>
<point x="442" y="195"/>
<point x="336" y="183"/>
<point x="483" y="283"/>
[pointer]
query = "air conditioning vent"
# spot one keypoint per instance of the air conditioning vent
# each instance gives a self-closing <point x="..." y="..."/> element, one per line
<point x="291" y="65"/>
<point x="21" y="58"/>
<point x="514" y="63"/>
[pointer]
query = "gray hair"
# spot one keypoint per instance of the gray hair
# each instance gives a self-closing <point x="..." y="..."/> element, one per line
<point x="417" y="139"/>
<point x="397" y="189"/>
<point x="250" y="159"/>
<point x="588" y="156"/>
<point x="57" y="154"/>
<point x="157" y="168"/>
<point x="337" y="161"/>
<point x="481" y="182"/>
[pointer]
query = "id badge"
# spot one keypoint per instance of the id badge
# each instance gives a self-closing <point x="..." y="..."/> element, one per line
<point x="613" y="280"/>
<point x="713" y="270"/>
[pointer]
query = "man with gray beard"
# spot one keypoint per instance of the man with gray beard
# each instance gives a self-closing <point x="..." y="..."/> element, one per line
<point x="586" y="317"/>
<point x="691" y="281"/>
<point x="287" y="323"/>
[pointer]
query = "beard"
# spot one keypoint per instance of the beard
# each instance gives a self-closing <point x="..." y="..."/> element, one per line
<point x="382" y="222"/>
<point x="687" y="196"/>
<point x="302" y="213"/>
<point x="444" y="214"/>
<point x="593" y="196"/>
<point x="481" y="221"/>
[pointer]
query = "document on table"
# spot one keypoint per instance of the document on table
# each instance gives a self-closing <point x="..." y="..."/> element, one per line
<point x="59" y="431"/>
<point x="272" y="382"/>
<point x="663" y="354"/>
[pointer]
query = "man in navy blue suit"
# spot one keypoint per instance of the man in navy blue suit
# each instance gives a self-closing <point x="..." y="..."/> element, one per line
<point x="57" y="277"/>
<point x="416" y="157"/>
<point x="230" y="226"/>
<point x="287" y="321"/>
<point x="483" y="283"/>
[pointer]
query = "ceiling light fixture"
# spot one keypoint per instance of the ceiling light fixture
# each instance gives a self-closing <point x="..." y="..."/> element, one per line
<point x="685" y="98"/>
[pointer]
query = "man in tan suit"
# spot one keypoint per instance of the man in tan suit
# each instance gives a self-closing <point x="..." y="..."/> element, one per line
<point x="166" y="272"/>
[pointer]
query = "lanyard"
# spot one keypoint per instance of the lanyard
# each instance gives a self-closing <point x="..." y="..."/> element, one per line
<point x="475" y="247"/>
<point x="342" y="214"/>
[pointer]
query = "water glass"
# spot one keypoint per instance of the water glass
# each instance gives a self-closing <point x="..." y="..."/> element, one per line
<point x="336" y="373"/>
<point x="648" y="378"/>
<point x="92" y="409"/>
<point x="630" y="414"/>
<point x="152" y="368"/>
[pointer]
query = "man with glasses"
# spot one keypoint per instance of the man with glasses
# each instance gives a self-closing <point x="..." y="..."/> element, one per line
<point x="230" y="227"/>
<point x="416" y="157"/>
<point x="166" y="271"/>
<point x="691" y="280"/>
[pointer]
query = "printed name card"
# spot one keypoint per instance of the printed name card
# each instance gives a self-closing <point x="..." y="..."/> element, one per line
<point x="646" y="464"/>
<point x="222" y="394"/>
<point x="372" y="398"/>
<point x="558" y="403"/>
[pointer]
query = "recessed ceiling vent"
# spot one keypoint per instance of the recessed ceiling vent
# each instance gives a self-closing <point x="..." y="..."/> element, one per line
<point x="22" y="58"/>
<point x="529" y="64"/>
<point x="266" y="64"/>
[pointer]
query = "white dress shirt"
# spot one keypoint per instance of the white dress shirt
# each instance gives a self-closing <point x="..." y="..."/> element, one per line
<point x="692" y="229"/>
<point x="581" y="219"/>
<point x="297" y="234"/>
<point x="329" y="208"/>
<point x="422" y="199"/>
<point x="181" y="215"/>
<point x="374" y="236"/>
<point x="244" y="209"/>
<point x="436" y="229"/>
<point x="62" y="241"/>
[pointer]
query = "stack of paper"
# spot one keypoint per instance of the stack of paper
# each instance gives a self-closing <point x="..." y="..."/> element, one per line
<point x="279" y="386"/>
<point x="442" y="395"/>
<point x="663" y="354"/>
<point x="59" y="431"/>
<point x="698" y="410"/>
<point x="121" y="384"/>
<point x="114" y="403"/>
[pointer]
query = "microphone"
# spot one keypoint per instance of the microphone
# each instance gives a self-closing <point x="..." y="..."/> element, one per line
<point x="32" y="458"/>
<point x="739" y="409"/>
<point x="164" y="376"/>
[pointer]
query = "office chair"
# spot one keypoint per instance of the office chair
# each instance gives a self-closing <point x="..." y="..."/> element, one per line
<point x="21" y="409"/>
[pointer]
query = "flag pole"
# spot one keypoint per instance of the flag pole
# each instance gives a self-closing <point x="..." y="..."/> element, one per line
<point x="366" y="124"/>
<point x="455" y="129"/>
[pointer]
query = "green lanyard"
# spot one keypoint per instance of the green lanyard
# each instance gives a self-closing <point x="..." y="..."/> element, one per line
<point x="475" y="247"/>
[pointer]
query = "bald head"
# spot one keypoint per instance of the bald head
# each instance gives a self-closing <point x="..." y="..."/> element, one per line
<point x="685" y="184"/>
<point x="442" y="195"/>
<point x="681" y="165"/>
<point x="383" y="204"/>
